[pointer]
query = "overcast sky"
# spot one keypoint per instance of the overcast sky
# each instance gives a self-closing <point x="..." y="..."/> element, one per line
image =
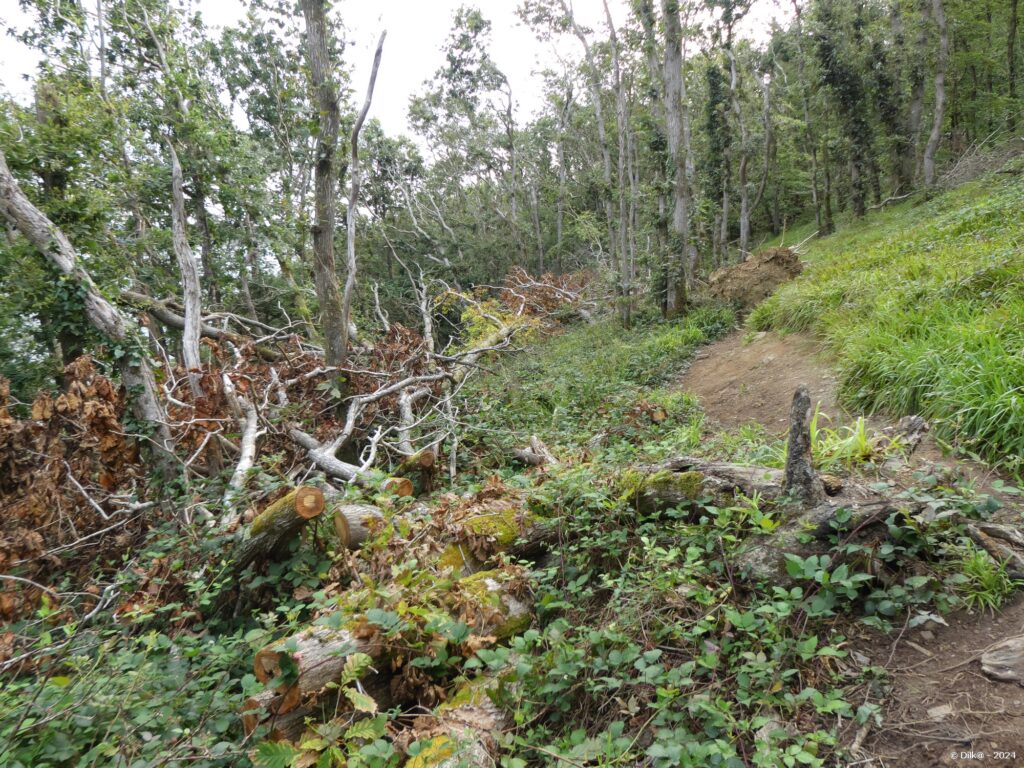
<point x="416" y="31"/>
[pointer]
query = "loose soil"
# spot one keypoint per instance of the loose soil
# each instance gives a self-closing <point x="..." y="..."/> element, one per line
<point x="744" y="379"/>
<point x="741" y="379"/>
<point x="941" y="708"/>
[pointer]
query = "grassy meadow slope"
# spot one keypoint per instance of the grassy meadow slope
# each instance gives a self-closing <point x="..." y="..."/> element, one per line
<point x="923" y="307"/>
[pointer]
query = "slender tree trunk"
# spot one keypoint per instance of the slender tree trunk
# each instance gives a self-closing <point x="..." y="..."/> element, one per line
<point x="325" y="91"/>
<point x="828" y="227"/>
<point x="535" y="212"/>
<point x="915" y="109"/>
<point x="190" y="289"/>
<point x="625" y="267"/>
<point x="563" y="131"/>
<point x="745" y="207"/>
<point x="679" y="275"/>
<point x="593" y="78"/>
<point x="102" y="315"/>
<point x="940" y="94"/>
<point x="1011" y="66"/>
<point x="353" y="204"/>
<point x="205" y="243"/>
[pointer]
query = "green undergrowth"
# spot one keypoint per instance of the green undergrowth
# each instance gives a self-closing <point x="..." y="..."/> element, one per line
<point x="923" y="308"/>
<point x="595" y="388"/>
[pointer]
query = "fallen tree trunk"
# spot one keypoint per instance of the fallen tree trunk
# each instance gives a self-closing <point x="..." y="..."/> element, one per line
<point x="536" y="454"/>
<point x="318" y="655"/>
<point x="277" y="524"/>
<point x="163" y="312"/>
<point x="465" y="728"/>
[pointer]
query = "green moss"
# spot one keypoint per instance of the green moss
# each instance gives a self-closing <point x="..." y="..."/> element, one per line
<point x="502" y="525"/>
<point x="486" y="589"/>
<point x="458" y="559"/>
<point x="687" y="485"/>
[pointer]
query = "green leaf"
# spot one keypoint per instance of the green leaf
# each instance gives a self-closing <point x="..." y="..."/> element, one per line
<point x="370" y="728"/>
<point x="361" y="701"/>
<point x="355" y="666"/>
<point x="271" y="754"/>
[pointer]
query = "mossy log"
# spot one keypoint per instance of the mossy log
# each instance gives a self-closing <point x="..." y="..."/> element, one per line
<point x="811" y="531"/>
<point x="278" y="524"/>
<point x="512" y="530"/>
<point x="499" y="613"/>
<point x="317" y="657"/>
<point x="684" y="480"/>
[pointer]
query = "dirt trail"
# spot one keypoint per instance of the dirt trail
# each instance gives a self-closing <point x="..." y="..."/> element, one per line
<point x="742" y="379"/>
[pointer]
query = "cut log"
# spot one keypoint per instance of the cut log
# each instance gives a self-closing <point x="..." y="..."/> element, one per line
<point x="809" y="532"/>
<point x="801" y="480"/>
<point x="536" y="455"/>
<point x="1005" y="661"/>
<point x="466" y="727"/>
<point x="908" y="433"/>
<point x="319" y="657"/>
<point x="1005" y="543"/>
<point x="277" y="524"/>
<point x="353" y="523"/>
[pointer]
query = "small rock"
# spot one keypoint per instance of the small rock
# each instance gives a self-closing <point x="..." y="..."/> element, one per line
<point x="927" y="635"/>
<point x="861" y="659"/>
<point x="1006" y="661"/>
<point x="940" y="712"/>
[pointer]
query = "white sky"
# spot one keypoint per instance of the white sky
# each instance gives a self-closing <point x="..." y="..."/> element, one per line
<point x="412" y="53"/>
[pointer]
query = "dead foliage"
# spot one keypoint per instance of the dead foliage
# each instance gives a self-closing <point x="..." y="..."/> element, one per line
<point x="68" y="475"/>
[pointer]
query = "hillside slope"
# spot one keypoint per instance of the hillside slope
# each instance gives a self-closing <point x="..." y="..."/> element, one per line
<point x="923" y="308"/>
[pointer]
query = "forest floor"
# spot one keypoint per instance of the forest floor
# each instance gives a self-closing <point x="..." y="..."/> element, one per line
<point x="940" y="708"/>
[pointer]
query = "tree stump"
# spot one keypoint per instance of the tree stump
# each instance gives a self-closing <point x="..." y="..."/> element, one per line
<point x="800" y="479"/>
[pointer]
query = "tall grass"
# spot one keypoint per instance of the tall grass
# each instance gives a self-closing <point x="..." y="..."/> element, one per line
<point x="923" y="306"/>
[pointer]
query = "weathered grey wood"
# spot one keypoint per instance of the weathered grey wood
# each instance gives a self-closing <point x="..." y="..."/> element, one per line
<point x="801" y="480"/>
<point x="190" y="289"/>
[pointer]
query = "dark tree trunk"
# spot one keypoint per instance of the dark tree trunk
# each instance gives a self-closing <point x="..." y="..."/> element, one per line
<point x="325" y="91"/>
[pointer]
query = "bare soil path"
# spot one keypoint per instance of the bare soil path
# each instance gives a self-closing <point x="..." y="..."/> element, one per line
<point x="740" y="380"/>
<point x="940" y="710"/>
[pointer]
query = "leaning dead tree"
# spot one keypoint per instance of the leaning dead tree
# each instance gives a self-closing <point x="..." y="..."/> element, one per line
<point x="135" y="371"/>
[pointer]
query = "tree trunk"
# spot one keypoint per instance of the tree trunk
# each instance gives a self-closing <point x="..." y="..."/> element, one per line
<point x="189" y="278"/>
<point x="625" y="264"/>
<point x="136" y="374"/>
<point x="940" y="94"/>
<point x="1011" y="66"/>
<point x="674" y="98"/>
<point x="325" y="91"/>
<point x="606" y="157"/>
